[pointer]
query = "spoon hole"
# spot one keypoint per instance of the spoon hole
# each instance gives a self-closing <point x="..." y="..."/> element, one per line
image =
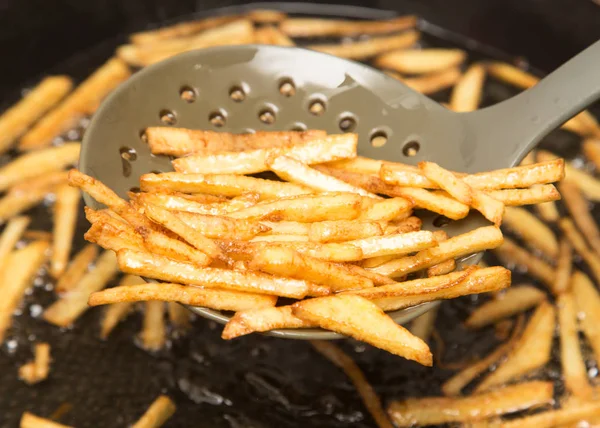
<point x="317" y="107"/>
<point x="187" y="94"/>
<point x="287" y="87"/>
<point x="411" y="148"/>
<point x="441" y="221"/>
<point x="379" y="139"/>
<point x="267" y="116"/>
<point x="168" y="117"/>
<point x="299" y="127"/>
<point x="237" y="94"/>
<point x="347" y="123"/>
<point x="217" y="118"/>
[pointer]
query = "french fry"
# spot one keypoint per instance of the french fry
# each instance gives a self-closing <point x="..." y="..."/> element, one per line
<point x="164" y="269"/>
<point x="431" y="82"/>
<point x="76" y="268"/>
<point x="44" y="182"/>
<point x="442" y="268"/>
<point x="591" y="150"/>
<point x="11" y="234"/>
<point x="179" y="316"/>
<point x="479" y="239"/>
<point x="578" y="207"/>
<point x="65" y="218"/>
<point x="288" y="227"/>
<point x="38" y="369"/>
<point x="280" y="238"/>
<point x="423" y="325"/>
<point x="387" y="210"/>
<point x="29" y="420"/>
<point x="182" y="29"/>
<point x="153" y="334"/>
<point x="173" y="248"/>
<point x="69" y="307"/>
<point x="116" y="312"/>
<point x="262" y="319"/>
<point x="364" y="49"/>
<point x="290" y="169"/>
<point x="530" y="352"/>
<point x="414" y="61"/>
<point x="35" y="164"/>
<point x="547" y="210"/>
<point x="466" y="94"/>
<point x="359" y="164"/>
<point x="289" y="263"/>
<point x="157" y="414"/>
<point x="326" y="149"/>
<point x="266" y="16"/>
<point x="375" y="277"/>
<point x="14" y="203"/>
<point x="369" y="182"/>
<point x="515" y="300"/>
<point x="556" y="418"/>
<point x="576" y="240"/>
<point x="456" y="383"/>
<point x="109" y="237"/>
<point x="439" y="410"/>
<point x="399" y="244"/>
<point x="563" y="267"/>
<point x="356" y="317"/>
<point x="573" y="364"/>
<point x="405" y="175"/>
<point x="182" y="142"/>
<point x="343" y="230"/>
<point x="188" y="295"/>
<point x="510" y="252"/>
<point x="37" y="235"/>
<point x="437" y="203"/>
<point x="351" y="369"/>
<point x="587" y="183"/>
<point x="312" y="27"/>
<point x="84" y="100"/>
<point x="19" y="271"/>
<point x="535" y="233"/>
<point x="226" y="185"/>
<point x="28" y="110"/>
<point x="410" y="224"/>
<point x="269" y="35"/>
<point x="180" y="203"/>
<point x="588" y="303"/>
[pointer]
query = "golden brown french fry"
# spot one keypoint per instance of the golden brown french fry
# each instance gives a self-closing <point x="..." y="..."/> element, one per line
<point x="588" y="303"/>
<point x="15" y="203"/>
<point x="19" y="271"/>
<point x="557" y="418"/>
<point x="359" y="164"/>
<point x="161" y="244"/>
<point x="179" y="316"/>
<point x="480" y="239"/>
<point x="313" y="27"/>
<point x="182" y="29"/>
<point x="343" y="230"/>
<point x="531" y="352"/>
<point x="515" y="300"/>
<point x="109" y="237"/>
<point x="290" y="169"/>
<point x="85" y="99"/>
<point x="154" y="331"/>
<point x="287" y="228"/>
<point x="364" y="389"/>
<point x="355" y="316"/>
<point x="510" y="252"/>
<point x="398" y="244"/>
<point x="11" y="234"/>
<point x="439" y="410"/>
<point x="423" y="325"/>
<point x="31" y="107"/>
<point x="417" y="61"/>
<point x="182" y="142"/>
<point x="164" y="269"/>
<point x="269" y="35"/>
<point x="562" y="281"/>
<point x="577" y="241"/>
<point x="266" y="16"/>
<point x="573" y="364"/>
<point x="587" y="183"/>
<point x="535" y="233"/>
<point x="76" y="268"/>
<point x="578" y="207"/>
<point x="387" y="210"/>
<point x="326" y="149"/>
<point x="286" y="262"/>
<point x="591" y="150"/>
<point x="116" y="312"/>
<point x="262" y="319"/>
<point x="368" y="48"/>
<point x="410" y="224"/>
<point x="71" y="305"/>
<point x="437" y="203"/>
<point x="431" y="82"/>
<point x="65" y="219"/>
<point x="370" y="182"/>
<point x="37" y="235"/>
<point x="466" y="94"/>
<point x="547" y="210"/>
<point x="456" y="383"/>
<point x="29" y="420"/>
<point x="157" y="414"/>
<point x="38" y="369"/>
<point x="180" y="203"/>
<point x="280" y="238"/>
<point x="442" y="268"/>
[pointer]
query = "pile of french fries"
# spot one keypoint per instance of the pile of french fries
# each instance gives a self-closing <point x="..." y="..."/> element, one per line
<point x="323" y="236"/>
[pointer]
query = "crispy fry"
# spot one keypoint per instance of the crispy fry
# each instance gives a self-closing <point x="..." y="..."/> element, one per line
<point x="31" y="107"/>
<point x="466" y="94"/>
<point x="65" y="219"/>
<point x="37" y="370"/>
<point x="587" y="183"/>
<point x="480" y="239"/>
<point x="266" y="16"/>
<point x="387" y="210"/>
<point x="591" y="150"/>
<point x="578" y="207"/>
<point x="333" y="252"/>
<point x="183" y="142"/>
<point x="357" y="317"/>
<point x="547" y="210"/>
<point x="456" y="383"/>
<point x="442" y="268"/>
<point x="84" y="100"/>
<point x="153" y="334"/>
<point x="556" y="418"/>
<point x="157" y="414"/>
<point x="423" y="325"/>
<point x="262" y="319"/>
<point x="439" y="410"/>
<point x="530" y="352"/>
<point x="359" y="164"/>
<point x="576" y="240"/>
<point x="116" y="312"/>
<point x="173" y="248"/>
<point x="19" y="271"/>
<point x="180" y="30"/>
<point x="288" y="228"/>
<point x="11" y="234"/>
<point x="15" y="203"/>
<point x="74" y="303"/>
<point x="369" y="182"/>
<point x="37" y="235"/>
<point x="29" y="420"/>
<point x="269" y="35"/>
<point x="536" y="234"/>
<point x="290" y="169"/>
<point x="538" y="195"/>
<point x="410" y="224"/>
<point x="431" y="82"/>
<point x="415" y="61"/>
<point x="76" y="268"/>
<point x="399" y="244"/>
<point x="326" y="149"/>
<point x="364" y="49"/>
<point x="289" y="263"/>
<point x="588" y="303"/>
<point x="573" y="364"/>
<point x="437" y="203"/>
<point x="510" y="252"/>
<point x="563" y="268"/>
<point x="164" y="269"/>
<point x="515" y="300"/>
<point x="280" y="238"/>
<point x="364" y="389"/>
<point x="343" y="230"/>
<point x="112" y="238"/>
<point x="312" y="27"/>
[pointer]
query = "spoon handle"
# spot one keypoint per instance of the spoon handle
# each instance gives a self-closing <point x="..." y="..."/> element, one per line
<point x="512" y="128"/>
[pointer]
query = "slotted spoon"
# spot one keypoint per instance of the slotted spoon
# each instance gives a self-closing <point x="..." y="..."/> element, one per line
<point x="257" y="87"/>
